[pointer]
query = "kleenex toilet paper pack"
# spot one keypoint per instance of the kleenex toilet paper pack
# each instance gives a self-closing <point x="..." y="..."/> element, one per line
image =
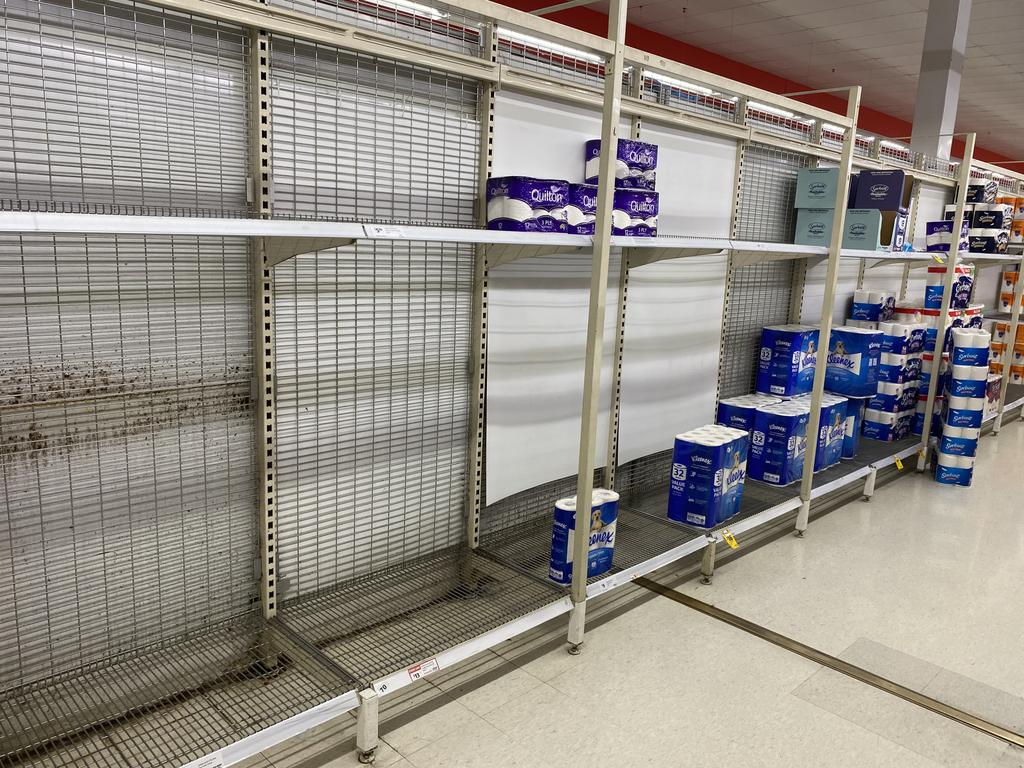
<point x="636" y="163"/>
<point x="852" y="363"/>
<point x="709" y="466"/>
<point x="779" y="442"/>
<point x="738" y="412"/>
<point x="525" y="204"/>
<point x="603" y="515"/>
<point x="786" y="361"/>
<point x="855" y="407"/>
<point x="831" y="429"/>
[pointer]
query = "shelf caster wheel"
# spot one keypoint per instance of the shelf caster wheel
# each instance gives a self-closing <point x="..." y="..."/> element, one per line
<point x="368" y="756"/>
<point x="799" y="534"/>
<point x="575" y="649"/>
<point x="705" y="579"/>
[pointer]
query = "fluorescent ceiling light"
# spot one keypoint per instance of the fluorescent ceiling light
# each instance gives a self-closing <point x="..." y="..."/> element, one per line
<point x="833" y="128"/>
<point x="547" y="45"/>
<point x="895" y="145"/>
<point x="679" y="83"/>
<point x="770" y="110"/>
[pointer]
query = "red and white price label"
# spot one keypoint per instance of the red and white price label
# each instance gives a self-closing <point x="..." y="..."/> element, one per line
<point x="424" y="668"/>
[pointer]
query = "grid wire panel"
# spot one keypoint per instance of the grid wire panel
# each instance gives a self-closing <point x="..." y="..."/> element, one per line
<point x="120" y="108"/>
<point x="168" y="703"/>
<point x="126" y="471"/>
<point x="528" y="505"/>
<point x="551" y="60"/>
<point x="435" y="24"/>
<point x="760" y="294"/>
<point x="372" y="378"/>
<point x="362" y="138"/>
<point x="697" y="101"/>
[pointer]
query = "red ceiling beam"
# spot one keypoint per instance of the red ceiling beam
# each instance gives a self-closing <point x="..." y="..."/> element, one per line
<point x="871" y="120"/>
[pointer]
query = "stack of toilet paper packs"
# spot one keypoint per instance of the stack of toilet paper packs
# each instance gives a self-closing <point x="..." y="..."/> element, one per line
<point x="965" y="404"/>
<point x="528" y="204"/>
<point x="709" y="466"/>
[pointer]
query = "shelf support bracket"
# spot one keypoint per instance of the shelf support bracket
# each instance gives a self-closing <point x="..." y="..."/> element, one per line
<point x="367" y="725"/>
<point x="707" y="562"/>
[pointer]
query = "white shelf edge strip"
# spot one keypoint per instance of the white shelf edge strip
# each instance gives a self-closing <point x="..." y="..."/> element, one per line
<point x="275" y="734"/>
<point x="761" y="518"/>
<point x="398" y="680"/>
<point x="642" y="569"/>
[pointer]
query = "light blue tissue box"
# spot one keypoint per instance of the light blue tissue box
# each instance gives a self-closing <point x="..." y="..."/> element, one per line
<point x="816" y="188"/>
<point x="814" y="226"/>
<point x="869" y="229"/>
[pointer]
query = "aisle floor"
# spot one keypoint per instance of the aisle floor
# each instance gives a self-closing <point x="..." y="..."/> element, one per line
<point x="921" y="584"/>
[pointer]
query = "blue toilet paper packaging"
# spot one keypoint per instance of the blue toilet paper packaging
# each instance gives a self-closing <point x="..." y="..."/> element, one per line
<point x="779" y="442"/>
<point x="887" y="427"/>
<point x="963" y="284"/>
<point x="959" y="441"/>
<point x="970" y="346"/>
<point x="786" y="363"/>
<point x="525" y="204"/>
<point x="581" y="209"/>
<point x="636" y="163"/>
<point x="937" y="408"/>
<point x="831" y="429"/>
<point x="604" y="513"/>
<point x="901" y="337"/>
<point x="927" y="362"/>
<point x="954" y="470"/>
<point x="855" y="407"/>
<point x="635" y="213"/>
<point x="852" y="363"/>
<point x="738" y="412"/>
<point x="899" y="369"/>
<point x="709" y="466"/>
<point x="894" y="398"/>
<point x="964" y="412"/>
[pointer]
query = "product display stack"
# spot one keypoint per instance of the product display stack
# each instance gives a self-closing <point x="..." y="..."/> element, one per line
<point x="528" y="204"/>
<point x="1005" y="352"/>
<point x="709" y="466"/>
<point x="964" y="410"/>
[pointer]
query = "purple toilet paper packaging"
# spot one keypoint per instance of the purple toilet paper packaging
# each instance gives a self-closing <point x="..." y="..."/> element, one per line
<point x="635" y="213"/>
<point x="581" y="209"/>
<point x="526" y="204"/>
<point x="635" y="163"/>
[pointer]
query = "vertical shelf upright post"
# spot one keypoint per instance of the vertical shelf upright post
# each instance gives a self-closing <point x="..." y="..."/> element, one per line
<point x="825" y="327"/>
<point x="1011" y="340"/>
<point x="947" y="297"/>
<point x="595" y="320"/>
<point x="477" y="454"/>
<point x="263" y="317"/>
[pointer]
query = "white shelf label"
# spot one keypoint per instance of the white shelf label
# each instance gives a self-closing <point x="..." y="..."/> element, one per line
<point x="210" y="761"/>
<point x="424" y="668"/>
<point x="384" y="230"/>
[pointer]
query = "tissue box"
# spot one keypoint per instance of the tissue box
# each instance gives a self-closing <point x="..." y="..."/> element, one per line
<point x="814" y="226"/>
<point x="884" y="190"/>
<point x="778" y="443"/>
<point x="708" y="469"/>
<point x="786" y="362"/>
<point x="738" y="412"/>
<point x="987" y="240"/>
<point x="950" y="211"/>
<point x="994" y="216"/>
<point x="868" y="229"/>
<point x="635" y="213"/>
<point x="852" y="362"/>
<point x="636" y="163"/>
<point x="816" y="188"/>
<point x="581" y="209"/>
<point x="604" y="512"/>
<point x="526" y="204"/>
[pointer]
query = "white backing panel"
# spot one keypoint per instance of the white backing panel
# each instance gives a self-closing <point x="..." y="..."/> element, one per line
<point x="670" y="356"/>
<point x="537" y="319"/>
<point x="931" y="207"/>
<point x="814" y="291"/>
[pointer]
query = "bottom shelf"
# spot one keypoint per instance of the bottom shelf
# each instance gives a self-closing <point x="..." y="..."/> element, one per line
<point x="168" y="703"/>
<point x="383" y="623"/>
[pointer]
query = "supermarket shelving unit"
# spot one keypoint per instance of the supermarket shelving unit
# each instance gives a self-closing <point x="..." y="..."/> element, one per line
<point x="221" y="691"/>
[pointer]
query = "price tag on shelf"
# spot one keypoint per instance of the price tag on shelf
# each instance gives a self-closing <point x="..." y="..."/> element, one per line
<point x="729" y="539"/>
<point x="899" y="464"/>
<point x="417" y="671"/>
<point x="384" y="230"/>
<point x="939" y="259"/>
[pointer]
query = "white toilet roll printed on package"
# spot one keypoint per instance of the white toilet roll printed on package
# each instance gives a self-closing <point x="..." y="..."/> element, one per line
<point x="968" y="380"/>
<point x="855" y="407"/>
<point x="581" y="209"/>
<point x="831" y="428"/>
<point x="709" y="467"/>
<point x="954" y="470"/>
<point x="899" y="369"/>
<point x="873" y="306"/>
<point x="971" y="346"/>
<point x="887" y="427"/>
<point x="962" y="286"/>
<point x="779" y="442"/>
<point x="964" y="411"/>
<point x="959" y="441"/>
<point x="902" y="337"/>
<point x="894" y="398"/>
<point x="635" y="213"/>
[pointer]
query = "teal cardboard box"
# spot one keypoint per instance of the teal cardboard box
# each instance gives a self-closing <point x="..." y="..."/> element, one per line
<point x="869" y="229"/>
<point x="814" y="226"/>
<point x="816" y="188"/>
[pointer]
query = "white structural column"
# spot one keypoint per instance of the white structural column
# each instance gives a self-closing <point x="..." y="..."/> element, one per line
<point x="947" y="294"/>
<point x="938" y="84"/>
<point x="595" y="321"/>
<point x="827" y="302"/>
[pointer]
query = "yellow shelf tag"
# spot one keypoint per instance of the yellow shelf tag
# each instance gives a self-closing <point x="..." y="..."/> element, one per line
<point x="939" y="259"/>
<point x="729" y="539"/>
<point x="899" y="464"/>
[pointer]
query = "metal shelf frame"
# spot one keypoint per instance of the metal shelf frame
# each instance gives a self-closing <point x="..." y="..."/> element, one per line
<point x="298" y="665"/>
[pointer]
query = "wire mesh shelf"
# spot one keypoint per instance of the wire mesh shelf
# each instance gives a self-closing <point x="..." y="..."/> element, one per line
<point x="384" y="622"/>
<point x="167" y="703"/>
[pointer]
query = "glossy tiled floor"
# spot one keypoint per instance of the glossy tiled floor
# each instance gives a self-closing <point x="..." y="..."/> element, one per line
<point x="922" y="585"/>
